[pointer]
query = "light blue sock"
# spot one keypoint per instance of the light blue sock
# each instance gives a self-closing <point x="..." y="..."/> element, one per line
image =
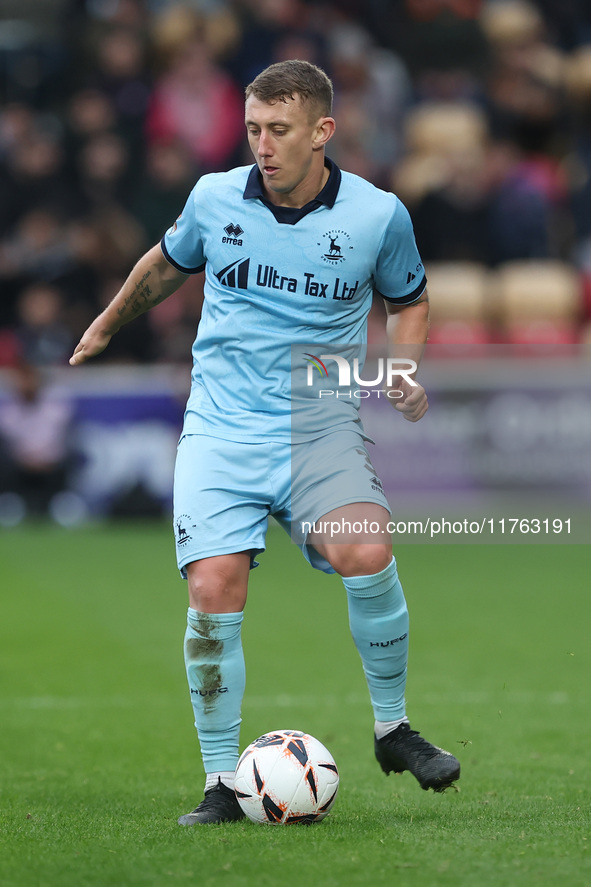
<point x="216" y="675"/>
<point x="378" y="618"/>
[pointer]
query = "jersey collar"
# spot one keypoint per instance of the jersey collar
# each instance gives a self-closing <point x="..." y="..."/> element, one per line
<point x="289" y="215"/>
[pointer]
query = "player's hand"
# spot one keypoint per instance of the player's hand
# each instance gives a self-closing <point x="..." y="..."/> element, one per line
<point x="414" y="404"/>
<point x="93" y="342"/>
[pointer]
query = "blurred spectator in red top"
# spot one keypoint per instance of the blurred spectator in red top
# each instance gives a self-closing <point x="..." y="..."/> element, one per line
<point x="195" y="101"/>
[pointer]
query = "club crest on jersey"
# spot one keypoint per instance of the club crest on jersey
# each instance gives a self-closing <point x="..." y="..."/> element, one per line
<point x="335" y="243"/>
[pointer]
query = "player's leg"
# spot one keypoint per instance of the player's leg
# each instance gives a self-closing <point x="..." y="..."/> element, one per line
<point x="378" y="617"/>
<point x="361" y="553"/>
<point x="214" y="659"/>
<point x="218" y="528"/>
<point x="339" y="516"/>
<point x="214" y="662"/>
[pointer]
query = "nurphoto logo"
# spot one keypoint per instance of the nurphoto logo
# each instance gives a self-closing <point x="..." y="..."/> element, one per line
<point x="390" y="371"/>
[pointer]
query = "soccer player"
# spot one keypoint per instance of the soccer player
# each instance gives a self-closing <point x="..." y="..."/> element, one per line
<point x="293" y="250"/>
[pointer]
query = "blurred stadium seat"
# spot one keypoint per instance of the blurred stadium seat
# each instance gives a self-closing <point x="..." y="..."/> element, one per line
<point x="458" y="295"/>
<point x="538" y="302"/>
<point x="441" y="127"/>
<point x="433" y="133"/>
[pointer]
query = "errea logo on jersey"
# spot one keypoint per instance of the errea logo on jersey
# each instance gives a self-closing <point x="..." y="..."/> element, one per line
<point x="233" y="231"/>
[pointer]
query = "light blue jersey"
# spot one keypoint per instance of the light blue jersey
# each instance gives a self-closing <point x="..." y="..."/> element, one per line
<point x="278" y="277"/>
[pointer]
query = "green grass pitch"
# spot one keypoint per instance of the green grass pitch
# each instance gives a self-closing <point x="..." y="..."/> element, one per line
<point x="98" y="754"/>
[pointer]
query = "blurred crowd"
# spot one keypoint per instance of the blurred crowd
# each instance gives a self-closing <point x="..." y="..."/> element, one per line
<point x="477" y="113"/>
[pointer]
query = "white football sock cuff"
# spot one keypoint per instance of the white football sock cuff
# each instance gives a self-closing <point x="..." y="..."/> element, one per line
<point x="225" y="776"/>
<point x="382" y="728"/>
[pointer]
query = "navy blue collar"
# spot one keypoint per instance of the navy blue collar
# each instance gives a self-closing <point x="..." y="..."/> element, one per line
<point x="289" y="215"/>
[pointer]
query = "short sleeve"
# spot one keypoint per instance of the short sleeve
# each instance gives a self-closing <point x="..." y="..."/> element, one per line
<point x="182" y="244"/>
<point x="400" y="275"/>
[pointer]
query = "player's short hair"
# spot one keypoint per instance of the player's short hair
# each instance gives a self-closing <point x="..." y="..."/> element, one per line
<point x="292" y="77"/>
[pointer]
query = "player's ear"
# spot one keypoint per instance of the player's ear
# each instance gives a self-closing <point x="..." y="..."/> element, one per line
<point x="323" y="132"/>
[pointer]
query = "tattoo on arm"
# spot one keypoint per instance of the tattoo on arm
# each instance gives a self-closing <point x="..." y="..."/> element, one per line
<point x="132" y="304"/>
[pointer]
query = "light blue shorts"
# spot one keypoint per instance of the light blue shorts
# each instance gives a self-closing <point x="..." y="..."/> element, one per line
<point x="224" y="491"/>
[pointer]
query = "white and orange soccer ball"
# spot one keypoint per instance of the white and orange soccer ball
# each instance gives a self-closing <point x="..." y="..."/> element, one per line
<point x="286" y="777"/>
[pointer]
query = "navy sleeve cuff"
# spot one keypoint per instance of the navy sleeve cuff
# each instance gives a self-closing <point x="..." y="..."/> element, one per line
<point x="411" y="297"/>
<point x="176" y="265"/>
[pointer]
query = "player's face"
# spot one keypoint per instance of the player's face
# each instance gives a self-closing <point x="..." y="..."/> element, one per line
<point x="287" y="143"/>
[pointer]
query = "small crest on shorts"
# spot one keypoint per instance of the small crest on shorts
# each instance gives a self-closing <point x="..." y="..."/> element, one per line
<point x="181" y="531"/>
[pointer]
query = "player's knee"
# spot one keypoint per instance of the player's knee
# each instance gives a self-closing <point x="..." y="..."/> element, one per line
<point x="360" y="560"/>
<point x="216" y="586"/>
